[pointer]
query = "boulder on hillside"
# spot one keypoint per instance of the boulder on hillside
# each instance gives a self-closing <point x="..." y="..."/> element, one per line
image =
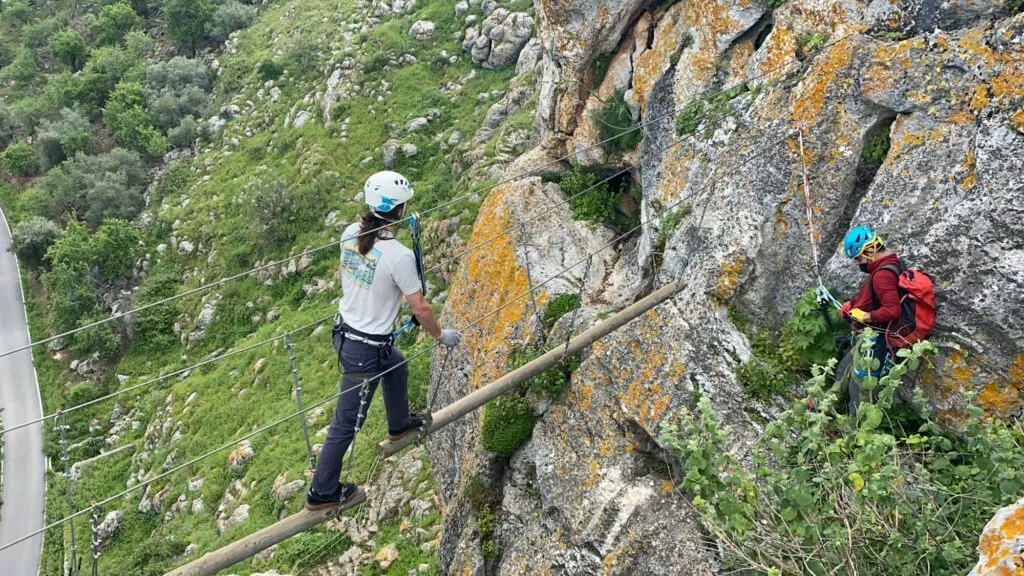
<point x="422" y="30"/>
<point x="241" y="455"/>
<point x="240" y="515"/>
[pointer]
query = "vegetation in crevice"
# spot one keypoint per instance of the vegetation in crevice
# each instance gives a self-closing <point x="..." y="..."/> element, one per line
<point x="481" y="502"/>
<point x="669" y="221"/>
<point x="599" y="199"/>
<point x="559" y="306"/>
<point x="809" y="43"/>
<point x="615" y="125"/>
<point x="600" y="67"/>
<point x="712" y="109"/>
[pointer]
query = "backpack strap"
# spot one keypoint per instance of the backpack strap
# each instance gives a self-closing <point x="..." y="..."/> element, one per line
<point x="895" y="269"/>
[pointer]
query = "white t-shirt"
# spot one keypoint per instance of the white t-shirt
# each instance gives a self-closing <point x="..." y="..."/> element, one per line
<point x="373" y="284"/>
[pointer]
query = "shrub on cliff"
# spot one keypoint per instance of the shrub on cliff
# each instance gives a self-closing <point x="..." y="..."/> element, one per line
<point x="823" y="494"/>
<point x="507" y="425"/>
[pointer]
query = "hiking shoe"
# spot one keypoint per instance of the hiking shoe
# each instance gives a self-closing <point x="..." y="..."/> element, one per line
<point x="416" y="422"/>
<point x="317" y="501"/>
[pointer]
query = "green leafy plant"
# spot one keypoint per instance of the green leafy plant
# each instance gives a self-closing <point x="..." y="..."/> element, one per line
<point x="131" y="122"/>
<point x="231" y="15"/>
<point x="559" y="306"/>
<point x="1012" y="7"/>
<point x="824" y="494"/>
<point x="773" y="4"/>
<point x="23" y="70"/>
<point x="188" y="21"/>
<point x="669" y="222"/>
<point x="782" y="359"/>
<point x="891" y="36"/>
<point x="68" y="47"/>
<point x="806" y="339"/>
<point x="507" y="424"/>
<point x="808" y="43"/>
<point x="590" y="201"/>
<point x="876" y="148"/>
<point x="548" y="383"/>
<point x="600" y="68"/>
<point x="615" y="125"/>
<point x="113" y="21"/>
<point x="269" y="70"/>
<point x="482" y="503"/>
<point x="8" y="126"/>
<point x="714" y="109"/>
<point x="60" y="140"/>
<point x="21" y="160"/>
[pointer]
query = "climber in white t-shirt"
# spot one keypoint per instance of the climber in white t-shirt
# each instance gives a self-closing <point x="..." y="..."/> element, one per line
<point x="376" y="272"/>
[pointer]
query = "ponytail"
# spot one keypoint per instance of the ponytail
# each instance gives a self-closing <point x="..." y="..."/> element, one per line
<point x="372" y="227"/>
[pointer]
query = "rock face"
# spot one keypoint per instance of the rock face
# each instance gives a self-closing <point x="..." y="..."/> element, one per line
<point x="1001" y="546"/>
<point x="582" y="496"/>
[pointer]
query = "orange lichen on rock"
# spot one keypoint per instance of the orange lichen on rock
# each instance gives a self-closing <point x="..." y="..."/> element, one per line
<point x="1017" y="121"/>
<point x="969" y="165"/>
<point x="779" y="53"/>
<point x="709" y="19"/>
<point x="980" y="99"/>
<point x="1005" y="396"/>
<point x="1008" y="83"/>
<point x="491" y="279"/>
<point x="651" y="65"/>
<point x="1000" y="544"/>
<point x="729" y="277"/>
<point x="814" y="91"/>
<point x="904" y="138"/>
<point x="999" y="398"/>
<point x="642" y="366"/>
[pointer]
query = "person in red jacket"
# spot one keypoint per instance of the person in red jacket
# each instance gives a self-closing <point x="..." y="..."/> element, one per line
<point x="876" y="305"/>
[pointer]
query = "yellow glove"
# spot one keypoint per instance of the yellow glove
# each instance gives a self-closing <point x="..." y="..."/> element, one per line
<point x="860" y="316"/>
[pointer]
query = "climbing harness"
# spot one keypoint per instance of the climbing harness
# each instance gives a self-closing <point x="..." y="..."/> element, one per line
<point x="417" y="252"/>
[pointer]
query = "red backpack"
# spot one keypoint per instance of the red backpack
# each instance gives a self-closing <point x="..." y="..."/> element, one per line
<point x="917" y="307"/>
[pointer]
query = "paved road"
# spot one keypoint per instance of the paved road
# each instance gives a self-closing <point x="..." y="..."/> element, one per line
<point x="24" y="468"/>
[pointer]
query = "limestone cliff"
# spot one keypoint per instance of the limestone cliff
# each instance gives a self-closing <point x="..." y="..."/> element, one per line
<point x="946" y="82"/>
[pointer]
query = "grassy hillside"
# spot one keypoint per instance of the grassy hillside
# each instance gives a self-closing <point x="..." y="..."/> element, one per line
<point x="246" y="186"/>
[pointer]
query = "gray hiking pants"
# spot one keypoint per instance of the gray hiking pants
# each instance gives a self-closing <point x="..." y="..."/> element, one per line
<point x="360" y="360"/>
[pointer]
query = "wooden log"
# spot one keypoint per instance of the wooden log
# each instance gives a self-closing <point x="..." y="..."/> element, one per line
<point x="217" y="560"/>
<point x="485" y="394"/>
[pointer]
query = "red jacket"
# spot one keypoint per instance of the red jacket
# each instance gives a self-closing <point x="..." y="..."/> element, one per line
<point x="880" y="295"/>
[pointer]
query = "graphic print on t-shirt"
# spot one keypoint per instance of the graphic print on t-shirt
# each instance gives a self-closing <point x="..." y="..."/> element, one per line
<point x="359" y="267"/>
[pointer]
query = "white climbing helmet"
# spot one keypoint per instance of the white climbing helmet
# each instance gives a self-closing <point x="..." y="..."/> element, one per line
<point x="385" y="190"/>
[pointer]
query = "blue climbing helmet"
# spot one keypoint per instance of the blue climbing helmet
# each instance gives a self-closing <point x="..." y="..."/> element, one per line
<point x="858" y="239"/>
